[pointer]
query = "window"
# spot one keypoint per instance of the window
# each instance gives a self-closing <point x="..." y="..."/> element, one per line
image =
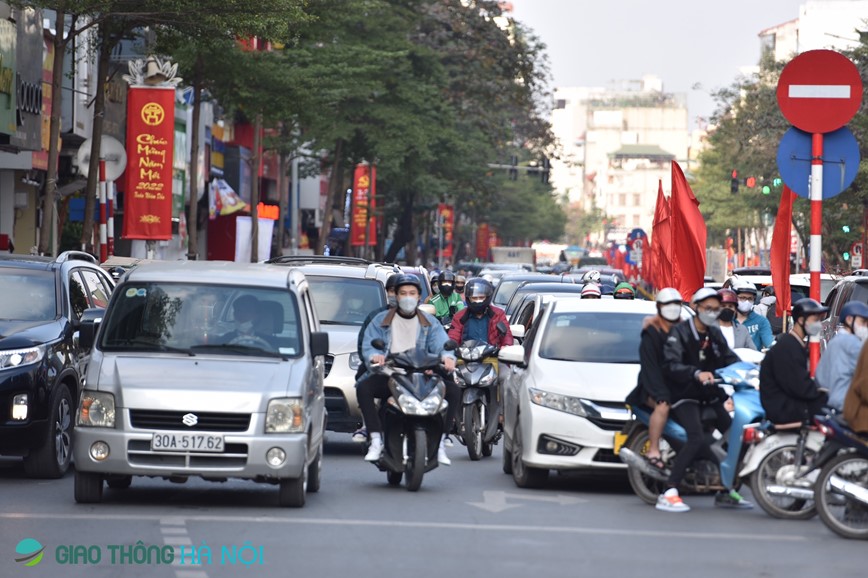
<point x="592" y="337"/>
<point x="622" y="200"/>
<point x="78" y="300"/>
<point x="345" y="301"/>
<point x="637" y="200"/>
<point x="96" y="288"/>
<point x="27" y="295"/>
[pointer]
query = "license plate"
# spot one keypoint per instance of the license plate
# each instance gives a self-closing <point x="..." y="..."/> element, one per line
<point x="176" y="442"/>
<point x="620" y="440"/>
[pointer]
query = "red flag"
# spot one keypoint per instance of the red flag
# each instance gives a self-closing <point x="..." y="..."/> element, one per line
<point x="688" y="237"/>
<point x="661" y="242"/>
<point x="780" y="252"/>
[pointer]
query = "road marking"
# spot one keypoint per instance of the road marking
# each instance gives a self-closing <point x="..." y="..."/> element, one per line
<point x="819" y="91"/>
<point x="175" y="534"/>
<point x="495" y="501"/>
<point x="427" y="525"/>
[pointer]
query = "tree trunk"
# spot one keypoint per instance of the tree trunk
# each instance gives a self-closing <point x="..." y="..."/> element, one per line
<point x="335" y="190"/>
<point x="47" y="237"/>
<point x="193" y="224"/>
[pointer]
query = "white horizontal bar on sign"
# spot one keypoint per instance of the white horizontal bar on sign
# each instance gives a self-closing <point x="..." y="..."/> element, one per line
<point x="819" y="91"/>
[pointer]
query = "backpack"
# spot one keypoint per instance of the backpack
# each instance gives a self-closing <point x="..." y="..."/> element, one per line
<point x="775" y="320"/>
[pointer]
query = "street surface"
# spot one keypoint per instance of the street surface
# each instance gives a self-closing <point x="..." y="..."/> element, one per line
<point x="467" y="520"/>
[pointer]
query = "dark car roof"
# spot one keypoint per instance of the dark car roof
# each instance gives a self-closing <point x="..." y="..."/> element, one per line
<point x="526" y="288"/>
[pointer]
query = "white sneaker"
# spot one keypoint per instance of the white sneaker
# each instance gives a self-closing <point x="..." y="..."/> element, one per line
<point x="375" y="450"/>
<point x="671" y="504"/>
<point x="442" y="458"/>
<point x="447" y="441"/>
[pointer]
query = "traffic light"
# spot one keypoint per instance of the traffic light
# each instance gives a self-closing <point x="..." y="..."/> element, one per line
<point x="846" y="256"/>
<point x="777" y="182"/>
<point x="733" y="183"/>
<point x="750" y="182"/>
<point x="846" y="228"/>
<point x="766" y="189"/>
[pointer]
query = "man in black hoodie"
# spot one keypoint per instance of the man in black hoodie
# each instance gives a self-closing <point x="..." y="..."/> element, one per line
<point x="693" y="350"/>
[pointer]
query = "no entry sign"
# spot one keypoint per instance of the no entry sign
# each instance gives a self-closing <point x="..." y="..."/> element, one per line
<point x="819" y="91"/>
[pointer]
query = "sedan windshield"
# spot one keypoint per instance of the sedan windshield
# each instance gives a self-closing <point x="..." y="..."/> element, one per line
<point x="345" y="301"/>
<point x="202" y="319"/>
<point x="595" y="337"/>
<point x="27" y="295"/>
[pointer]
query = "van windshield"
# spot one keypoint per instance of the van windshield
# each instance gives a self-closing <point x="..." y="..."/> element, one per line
<point x="195" y="319"/>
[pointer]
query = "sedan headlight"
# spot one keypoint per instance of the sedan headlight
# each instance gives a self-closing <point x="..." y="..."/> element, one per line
<point x="355" y="361"/>
<point x="284" y="415"/>
<point x="96" y="409"/>
<point x="557" y="401"/>
<point x="412" y="406"/>
<point x="19" y="357"/>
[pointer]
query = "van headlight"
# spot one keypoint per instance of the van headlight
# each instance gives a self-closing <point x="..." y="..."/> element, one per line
<point x="19" y="357"/>
<point x="557" y="401"/>
<point x="284" y="415"/>
<point x="96" y="409"/>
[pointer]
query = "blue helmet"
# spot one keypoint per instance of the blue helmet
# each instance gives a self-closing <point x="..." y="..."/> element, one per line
<point x="853" y="309"/>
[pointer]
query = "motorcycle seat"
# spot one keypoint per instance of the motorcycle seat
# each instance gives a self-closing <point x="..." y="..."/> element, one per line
<point x="788" y="426"/>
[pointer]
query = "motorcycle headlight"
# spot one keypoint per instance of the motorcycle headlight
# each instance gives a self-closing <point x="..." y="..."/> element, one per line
<point x="488" y="378"/>
<point x="557" y="401"/>
<point x="19" y="357"/>
<point x="284" y="415"/>
<point x="355" y="361"/>
<point x="412" y="406"/>
<point x="96" y="409"/>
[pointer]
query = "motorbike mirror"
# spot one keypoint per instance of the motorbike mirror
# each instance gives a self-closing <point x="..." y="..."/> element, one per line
<point x="378" y="344"/>
<point x="501" y="327"/>
<point x="450" y="345"/>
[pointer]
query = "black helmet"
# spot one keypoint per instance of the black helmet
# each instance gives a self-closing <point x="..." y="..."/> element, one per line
<point x="807" y="306"/>
<point x="446" y="281"/>
<point x="402" y="279"/>
<point x="768" y="290"/>
<point x="391" y="282"/>
<point x="478" y="287"/>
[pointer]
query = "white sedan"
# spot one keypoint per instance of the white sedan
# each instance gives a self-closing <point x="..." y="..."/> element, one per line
<point x="564" y="397"/>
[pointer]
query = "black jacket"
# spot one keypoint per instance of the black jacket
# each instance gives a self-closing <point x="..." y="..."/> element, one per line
<point x="682" y="359"/>
<point x="787" y="390"/>
<point x="651" y="382"/>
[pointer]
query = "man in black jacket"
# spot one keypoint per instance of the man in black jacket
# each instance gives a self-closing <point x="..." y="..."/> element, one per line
<point x="693" y="350"/>
<point x="787" y="390"/>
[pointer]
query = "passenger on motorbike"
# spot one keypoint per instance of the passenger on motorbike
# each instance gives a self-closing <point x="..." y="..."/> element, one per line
<point x="735" y="333"/>
<point x="361" y="434"/>
<point x="758" y="326"/>
<point x="591" y="291"/>
<point x="652" y="390"/>
<point x="836" y="367"/>
<point x="624" y="291"/>
<point x="402" y="328"/>
<point x="435" y="290"/>
<point x="856" y="400"/>
<point x="460" y="285"/>
<point x="787" y="391"/>
<point x="693" y="351"/>
<point x="447" y="303"/>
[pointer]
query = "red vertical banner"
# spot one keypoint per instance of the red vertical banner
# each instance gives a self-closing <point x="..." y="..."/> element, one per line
<point x="482" y="240"/>
<point x="363" y="228"/>
<point x="446" y="214"/>
<point x="150" y="139"/>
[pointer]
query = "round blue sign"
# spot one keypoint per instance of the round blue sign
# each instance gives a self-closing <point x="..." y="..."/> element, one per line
<point x="840" y="161"/>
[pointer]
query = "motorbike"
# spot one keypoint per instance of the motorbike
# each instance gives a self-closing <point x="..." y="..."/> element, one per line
<point x="476" y="375"/>
<point x="841" y="488"/>
<point x="413" y="416"/>
<point x="716" y="472"/>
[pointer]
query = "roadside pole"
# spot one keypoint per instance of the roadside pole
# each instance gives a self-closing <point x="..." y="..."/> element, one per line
<point x="816" y="235"/>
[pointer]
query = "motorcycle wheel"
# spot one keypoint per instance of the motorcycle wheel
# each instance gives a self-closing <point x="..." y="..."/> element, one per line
<point x="472" y="433"/>
<point x="416" y="463"/>
<point x="843" y="514"/>
<point x="646" y="487"/>
<point x="773" y="466"/>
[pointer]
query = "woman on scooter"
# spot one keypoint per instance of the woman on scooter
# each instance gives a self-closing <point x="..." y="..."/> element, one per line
<point x="693" y="351"/>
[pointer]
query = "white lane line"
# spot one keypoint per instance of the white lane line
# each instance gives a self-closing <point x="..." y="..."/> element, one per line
<point x="432" y="525"/>
<point x="175" y="534"/>
<point x="819" y="91"/>
<point x="191" y="574"/>
<point x="170" y="531"/>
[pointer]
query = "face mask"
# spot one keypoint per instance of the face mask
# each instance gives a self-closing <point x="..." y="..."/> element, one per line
<point x="861" y="331"/>
<point x="392" y="300"/>
<point x="446" y="290"/>
<point x="477" y="307"/>
<point x="671" y="312"/>
<point x="459" y="288"/>
<point x="727" y="315"/>
<point x="407" y="305"/>
<point x="744" y="306"/>
<point x="708" y="319"/>
<point x="244" y="326"/>
<point x="813" y="328"/>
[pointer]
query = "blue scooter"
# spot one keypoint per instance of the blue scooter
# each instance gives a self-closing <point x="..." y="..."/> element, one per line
<point x="717" y="471"/>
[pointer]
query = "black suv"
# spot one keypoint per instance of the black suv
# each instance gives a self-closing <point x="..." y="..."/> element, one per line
<point x="41" y="363"/>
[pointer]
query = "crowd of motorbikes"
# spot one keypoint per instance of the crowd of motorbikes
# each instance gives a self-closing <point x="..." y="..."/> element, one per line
<point x="795" y="471"/>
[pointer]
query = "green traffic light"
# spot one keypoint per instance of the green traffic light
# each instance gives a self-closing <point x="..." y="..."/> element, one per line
<point x="766" y="189"/>
<point x="846" y="256"/>
<point x="846" y="228"/>
<point x="777" y="182"/>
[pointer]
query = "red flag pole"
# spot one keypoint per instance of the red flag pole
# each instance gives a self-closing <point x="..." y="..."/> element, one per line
<point x="816" y="234"/>
<point x="103" y="226"/>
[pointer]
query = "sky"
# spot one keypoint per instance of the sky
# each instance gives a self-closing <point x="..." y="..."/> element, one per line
<point x="684" y="42"/>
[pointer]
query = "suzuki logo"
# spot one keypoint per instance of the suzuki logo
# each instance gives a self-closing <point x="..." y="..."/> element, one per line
<point x="190" y="420"/>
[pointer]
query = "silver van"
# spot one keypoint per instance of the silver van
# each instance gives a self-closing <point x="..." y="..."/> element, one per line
<point x="209" y="369"/>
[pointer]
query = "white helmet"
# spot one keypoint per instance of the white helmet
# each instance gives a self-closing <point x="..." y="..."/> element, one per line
<point x="592" y="276"/>
<point x="668" y="295"/>
<point x="705" y="293"/>
<point x="591" y="291"/>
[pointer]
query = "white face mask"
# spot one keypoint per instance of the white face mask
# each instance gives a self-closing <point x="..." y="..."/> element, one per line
<point x="393" y="301"/>
<point x="708" y="319"/>
<point x="744" y="306"/>
<point x="407" y="305"/>
<point x="813" y="328"/>
<point x="861" y="331"/>
<point x="670" y="312"/>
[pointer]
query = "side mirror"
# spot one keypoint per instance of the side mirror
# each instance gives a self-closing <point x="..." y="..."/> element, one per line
<point x="319" y="343"/>
<point x="512" y="354"/>
<point x="518" y="331"/>
<point x="427" y="308"/>
<point x="378" y="344"/>
<point x="450" y="345"/>
<point x="88" y="326"/>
